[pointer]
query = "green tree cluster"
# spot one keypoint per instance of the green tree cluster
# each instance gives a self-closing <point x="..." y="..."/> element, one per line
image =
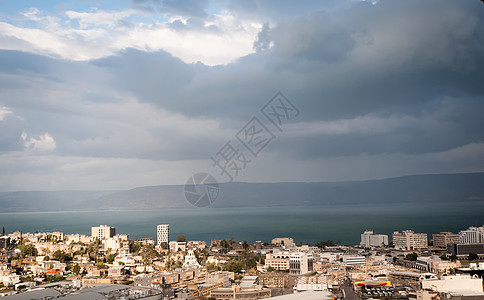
<point x="28" y="250"/>
<point x="412" y="256"/>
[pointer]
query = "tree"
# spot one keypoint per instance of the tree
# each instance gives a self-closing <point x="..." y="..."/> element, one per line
<point x="323" y="244"/>
<point x="76" y="269"/>
<point x="60" y="256"/>
<point x="233" y="266"/>
<point x="149" y="253"/>
<point x="270" y="269"/>
<point x="134" y="247"/>
<point x="111" y="257"/>
<point x="181" y="238"/>
<point x="101" y="266"/>
<point x="412" y="256"/>
<point x="28" y="250"/>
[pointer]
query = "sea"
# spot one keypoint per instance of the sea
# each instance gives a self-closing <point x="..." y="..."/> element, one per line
<point x="340" y="223"/>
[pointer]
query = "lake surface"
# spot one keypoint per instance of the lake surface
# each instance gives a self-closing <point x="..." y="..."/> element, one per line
<point x="342" y="223"/>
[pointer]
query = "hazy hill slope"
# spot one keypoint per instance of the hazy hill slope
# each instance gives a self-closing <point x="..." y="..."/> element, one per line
<point x="427" y="188"/>
<point x="46" y="200"/>
<point x="417" y="188"/>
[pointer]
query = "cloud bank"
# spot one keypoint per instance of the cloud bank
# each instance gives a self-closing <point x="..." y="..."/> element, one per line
<point x="146" y="94"/>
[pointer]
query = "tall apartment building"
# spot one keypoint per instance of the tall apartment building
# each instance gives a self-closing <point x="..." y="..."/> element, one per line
<point x="442" y="239"/>
<point x="409" y="240"/>
<point x="103" y="232"/>
<point x="370" y="239"/>
<point x="162" y="234"/>
<point x="300" y="263"/>
<point x="473" y="235"/>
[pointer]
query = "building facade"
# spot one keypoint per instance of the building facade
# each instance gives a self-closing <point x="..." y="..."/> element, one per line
<point x="464" y="249"/>
<point x="369" y="239"/>
<point x="162" y="234"/>
<point x="103" y="232"/>
<point x="278" y="261"/>
<point x="473" y="235"/>
<point x="410" y="240"/>
<point x="300" y="263"/>
<point x="287" y="242"/>
<point x="354" y="260"/>
<point x="442" y="239"/>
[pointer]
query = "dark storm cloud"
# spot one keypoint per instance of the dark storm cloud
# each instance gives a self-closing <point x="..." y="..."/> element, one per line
<point x="418" y="61"/>
<point x="281" y="9"/>
<point x="398" y="82"/>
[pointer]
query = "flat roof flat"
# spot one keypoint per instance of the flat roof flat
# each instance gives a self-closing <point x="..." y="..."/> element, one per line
<point x="37" y="294"/>
<point x="308" y="295"/>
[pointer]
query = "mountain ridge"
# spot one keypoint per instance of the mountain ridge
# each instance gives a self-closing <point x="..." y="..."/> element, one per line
<point x="432" y="188"/>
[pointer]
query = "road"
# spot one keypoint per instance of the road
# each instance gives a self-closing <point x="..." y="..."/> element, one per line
<point x="348" y="292"/>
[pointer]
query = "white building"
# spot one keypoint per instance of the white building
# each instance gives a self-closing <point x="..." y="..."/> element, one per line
<point x="453" y="283"/>
<point x="162" y="234"/>
<point x="473" y="235"/>
<point x="219" y="277"/>
<point x="354" y="260"/>
<point x="178" y="246"/>
<point x="369" y="239"/>
<point x="409" y="240"/>
<point x="300" y="263"/>
<point x="118" y="243"/>
<point x="103" y="232"/>
<point x="191" y="261"/>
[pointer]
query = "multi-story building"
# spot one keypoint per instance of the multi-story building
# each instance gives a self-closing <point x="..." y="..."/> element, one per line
<point x="473" y="235"/>
<point x="278" y="261"/>
<point x="162" y="234"/>
<point x="369" y="239"/>
<point x="354" y="260"/>
<point x="177" y="246"/>
<point x="219" y="277"/>
<point x="287" y="242"/>
<point x="442" y="239"/>
<point x="78" y="238"/>
<point x="464" y="249"/>
<point x="118" y="243"/>
<point x="409" y="240"/>
<point x="103" y="232"/>
<point x="300" y="263"/>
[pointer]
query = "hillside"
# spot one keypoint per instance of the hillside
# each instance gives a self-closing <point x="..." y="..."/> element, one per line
<point x="407" y="189"/>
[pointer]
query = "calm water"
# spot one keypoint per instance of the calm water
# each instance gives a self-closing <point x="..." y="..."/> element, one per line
<point x="306" y="224"/>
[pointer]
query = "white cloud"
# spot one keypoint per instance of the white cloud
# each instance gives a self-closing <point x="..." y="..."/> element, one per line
<point x="44" y="143"/>
<point x="4" y="111"/>
<point x="101" y="33"/>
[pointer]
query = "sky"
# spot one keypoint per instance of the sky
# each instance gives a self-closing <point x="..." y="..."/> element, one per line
<point x="112" y="95"/>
